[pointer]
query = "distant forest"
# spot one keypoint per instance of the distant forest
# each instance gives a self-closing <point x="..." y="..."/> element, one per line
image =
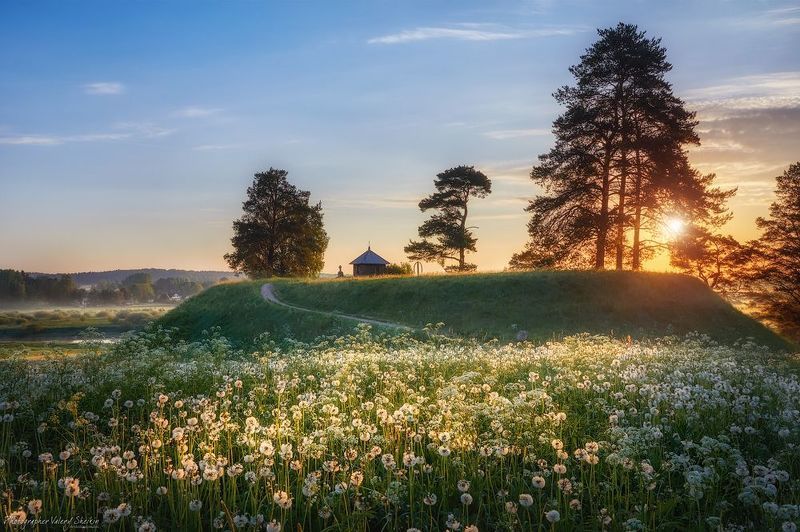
<point x="106" y="288"/>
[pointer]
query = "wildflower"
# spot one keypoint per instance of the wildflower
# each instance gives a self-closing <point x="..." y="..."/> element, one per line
<point x="560" y="469"/>
<point x="161" y="490"/>
<point x="552" y="516"/>
<point x="195" y="505"/>
<point x="282" y="499"/>
<point x="147" y="526"/>
<point x="538" y="482"/>
<point x="429" y="499"/>
<point x="463" y="485"/>
<point x="525" y="500"/>
<point x="575" y="504"/>
<point x="111" y="515"/>
<point x="35" y="506"/>
<point x="273" y="526"/>
<point x="17" y="517"/>
<point x="452" y="523"/>
<point x="466" y="499"/>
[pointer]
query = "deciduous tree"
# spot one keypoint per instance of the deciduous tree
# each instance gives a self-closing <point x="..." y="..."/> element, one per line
<point x="280" y="232"/>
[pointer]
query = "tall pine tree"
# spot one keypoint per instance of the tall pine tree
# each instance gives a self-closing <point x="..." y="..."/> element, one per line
<point x="776" y="255"/>
<point x="619" y="163"/>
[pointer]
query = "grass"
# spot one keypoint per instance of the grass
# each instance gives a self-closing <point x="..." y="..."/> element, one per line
<point x="370" y="432"/>
<point x="65" y="323"/>
<point x="240" y="314"/>
<point x="546" y="304"/>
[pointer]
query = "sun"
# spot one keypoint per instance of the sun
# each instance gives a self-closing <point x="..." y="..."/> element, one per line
<point x="675" y="226"/>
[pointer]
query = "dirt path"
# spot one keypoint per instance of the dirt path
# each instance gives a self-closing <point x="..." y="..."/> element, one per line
<point x="268" y="293"/>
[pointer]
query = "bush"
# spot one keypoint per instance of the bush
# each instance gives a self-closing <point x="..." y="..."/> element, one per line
<point x="404" y="268"/>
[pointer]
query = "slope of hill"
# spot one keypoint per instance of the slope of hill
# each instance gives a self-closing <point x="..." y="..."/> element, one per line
<point x="241" y="314"/>
<point x="117" y="276"/>
<point x="546" y="305"/>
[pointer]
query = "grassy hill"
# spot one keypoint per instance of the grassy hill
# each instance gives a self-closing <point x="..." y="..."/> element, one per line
<point x="547" y="305"/>
<point x="242" y="315"/>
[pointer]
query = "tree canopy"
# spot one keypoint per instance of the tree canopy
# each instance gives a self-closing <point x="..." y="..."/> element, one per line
<point x="280" y="232"/>
<point x="775" y="265"/>
<point x="445" y="235"/>
<point x="619" y="162"/>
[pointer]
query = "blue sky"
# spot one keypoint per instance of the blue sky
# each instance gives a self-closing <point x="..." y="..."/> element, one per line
<point x="129" y="131"/>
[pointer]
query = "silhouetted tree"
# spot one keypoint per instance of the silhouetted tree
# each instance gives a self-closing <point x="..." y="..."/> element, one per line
<point x="714" y="258"/>
<point x="12" y="285"/>
<point x="280" y="233"/>
<point x="776" y="255"/>
<point x="619" y="163"/>
<point x="445" y="235"/>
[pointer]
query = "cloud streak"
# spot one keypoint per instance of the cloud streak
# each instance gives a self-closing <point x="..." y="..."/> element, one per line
<point x="777" y="90"/>
<point x="469" y="32"/>
<point x="196" y="112"/>
<point x="504" y="134"/>
<point x="104" y="88"/>
<point x="126" y="130"/>
<point x="50" y="140"/>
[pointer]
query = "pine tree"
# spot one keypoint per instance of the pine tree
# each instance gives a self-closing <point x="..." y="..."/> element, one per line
<point x="776" y="254"/>
<point x="619" y="164"/>
<point x="445" y="235"/>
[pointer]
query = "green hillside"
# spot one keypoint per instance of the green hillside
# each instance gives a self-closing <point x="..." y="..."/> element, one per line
<point x="546" y="305"/>
<point x="241" y="314"/>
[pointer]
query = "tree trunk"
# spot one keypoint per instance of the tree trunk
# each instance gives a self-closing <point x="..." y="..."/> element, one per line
<point x="602" y="226"/>
<point x="637" y="218"/>
<point x="461" y="250"/>
<point x="620" y="241"/>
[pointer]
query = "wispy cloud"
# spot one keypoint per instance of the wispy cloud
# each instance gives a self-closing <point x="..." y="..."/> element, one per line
<point x="777" y="90"/>
<point x="470" y="32"/>
<point x="145" y="129"/>
<point x="55" y="140"/>
<point x="124" y="130"/>
<point x="771" y="18"/>
<point x="504" y="134"/>
<point x="196" y="112"/>
<point x="214" y="147"/>
<point x="104" y="88"/>
<point x="372" y="202"/>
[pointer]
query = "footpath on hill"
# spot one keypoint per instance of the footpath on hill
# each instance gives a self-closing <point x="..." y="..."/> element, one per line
<point x="268" y="293"/>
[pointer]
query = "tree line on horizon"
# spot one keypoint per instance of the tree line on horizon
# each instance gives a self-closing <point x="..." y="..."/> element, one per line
<point x="20" y="287"/>
<point x="618" y="171"/>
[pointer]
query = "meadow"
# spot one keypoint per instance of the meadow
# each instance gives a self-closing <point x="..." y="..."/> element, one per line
<point x="64" y="324"/>
<point x="369" y="431"/>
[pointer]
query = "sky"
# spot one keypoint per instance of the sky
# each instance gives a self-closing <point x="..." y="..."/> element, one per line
<point x="129" y="131"/>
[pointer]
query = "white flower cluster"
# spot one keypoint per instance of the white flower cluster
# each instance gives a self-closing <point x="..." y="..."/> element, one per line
<point x="400" y="433"/>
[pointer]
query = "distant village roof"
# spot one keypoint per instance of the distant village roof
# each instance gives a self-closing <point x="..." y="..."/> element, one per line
<point x="369" y="257"/>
